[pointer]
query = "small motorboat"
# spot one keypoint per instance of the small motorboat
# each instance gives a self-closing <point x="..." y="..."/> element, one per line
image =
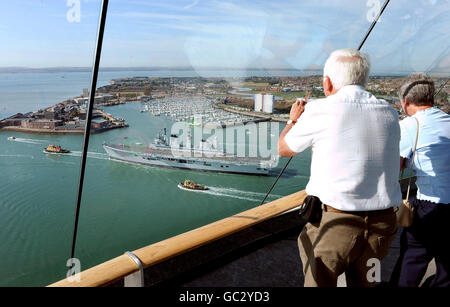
<point x="191" y="185"/>
<point x="55" y="150"/>
<point x="11" y="138"/>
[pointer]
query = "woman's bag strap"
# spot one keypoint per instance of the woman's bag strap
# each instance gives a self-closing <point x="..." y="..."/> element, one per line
<point x="414" y="154"/>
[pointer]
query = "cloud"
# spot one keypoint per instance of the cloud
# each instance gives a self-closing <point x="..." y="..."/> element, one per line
<point x="232" y="46"/>
<point x="406" y="17"/>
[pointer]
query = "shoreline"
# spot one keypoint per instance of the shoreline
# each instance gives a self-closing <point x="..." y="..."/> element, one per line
<point x="50" y="131"/>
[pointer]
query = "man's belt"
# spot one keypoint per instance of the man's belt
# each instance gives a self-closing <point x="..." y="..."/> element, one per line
<point x="360" y="213"/>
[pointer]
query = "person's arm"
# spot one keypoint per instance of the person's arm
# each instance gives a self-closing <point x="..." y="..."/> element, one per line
<point x="296" y="111"/>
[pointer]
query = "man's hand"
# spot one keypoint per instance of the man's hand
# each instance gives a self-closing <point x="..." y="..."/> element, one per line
<point x="298" y="108"/>
<point x="296" y="111"/>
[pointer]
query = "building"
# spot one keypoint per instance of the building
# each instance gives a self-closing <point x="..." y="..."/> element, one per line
<point x="81" y="101"/>
<point x="103" y="98"/>
<point x="100" y="124"/>
<point x="259" y="102"/>
<point x="268" y="104"/>
<point x="41" y="124"/>
<point x="264" y="103"/>
<point x="12" y="122"/>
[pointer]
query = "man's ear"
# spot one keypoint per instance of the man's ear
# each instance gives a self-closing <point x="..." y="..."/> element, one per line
<point x="327" y="86"/>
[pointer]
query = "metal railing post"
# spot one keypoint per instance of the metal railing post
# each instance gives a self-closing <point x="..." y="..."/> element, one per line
<point x="136" y="279"/>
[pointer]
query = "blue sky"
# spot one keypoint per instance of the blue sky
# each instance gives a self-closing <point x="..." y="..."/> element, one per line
<point x="412" y="35"/>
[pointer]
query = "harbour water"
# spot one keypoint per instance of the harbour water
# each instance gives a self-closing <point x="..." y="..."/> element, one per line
<point x="124" y="206"/>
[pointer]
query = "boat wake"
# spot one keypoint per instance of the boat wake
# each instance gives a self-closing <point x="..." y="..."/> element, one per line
<point x="235" y="193"/>
<point x="29" y="141"/>
<point x="242" y="194"/>
<point x="17" y="156"/>
<point x="94" y="155"/>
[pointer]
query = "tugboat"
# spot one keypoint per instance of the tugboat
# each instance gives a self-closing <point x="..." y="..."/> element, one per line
<point x="56" y="150"/>
<point x="190" y="185"/>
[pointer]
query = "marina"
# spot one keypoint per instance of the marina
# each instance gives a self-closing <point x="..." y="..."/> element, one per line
<point x="197" y="111"/>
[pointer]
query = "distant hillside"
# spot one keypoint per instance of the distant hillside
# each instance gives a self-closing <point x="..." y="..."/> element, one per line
<point x="18" y="69"/>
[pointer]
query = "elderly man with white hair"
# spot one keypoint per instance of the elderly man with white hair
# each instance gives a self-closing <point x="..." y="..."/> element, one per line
<point x="354" y="139"/>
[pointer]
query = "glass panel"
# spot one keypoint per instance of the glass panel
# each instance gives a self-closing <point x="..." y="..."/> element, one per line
<point x="411" y="37"/>
<point x="47" y="50"/>
<point x="183" y="67"/>
<point x="179" y="69"/>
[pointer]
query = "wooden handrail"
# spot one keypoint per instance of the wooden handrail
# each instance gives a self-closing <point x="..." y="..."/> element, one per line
<point x="119" y="267"/>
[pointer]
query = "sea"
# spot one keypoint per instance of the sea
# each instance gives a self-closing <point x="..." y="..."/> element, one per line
<point x="124" y="206"/>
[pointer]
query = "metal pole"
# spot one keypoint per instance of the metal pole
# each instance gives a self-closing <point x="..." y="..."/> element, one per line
<point x="373" y="24"/>
<point x="273" y="185"/>
<point x="87" y="131"/>
<point x="359" y="48"/>
<point x="440" y="89"/>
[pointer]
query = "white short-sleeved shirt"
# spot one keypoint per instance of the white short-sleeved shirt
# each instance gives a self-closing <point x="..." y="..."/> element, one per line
<point x="432" y="160"/>
<point x="355" y="150"/>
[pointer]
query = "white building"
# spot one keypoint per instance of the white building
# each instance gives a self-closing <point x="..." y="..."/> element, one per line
<point x="264" y="103"/>
<point x="259" y="102"/>
<point x="268" y="104"/>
